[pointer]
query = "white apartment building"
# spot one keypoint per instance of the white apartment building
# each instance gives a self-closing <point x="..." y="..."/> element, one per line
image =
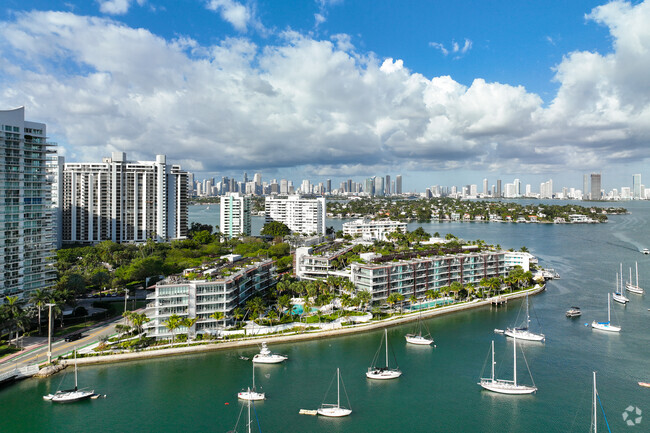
<point x="370" y="230"/>
<point x="201" y="293"/>
<point x="124" y="201"/>
<point x="26" y="228"/>
<point x="519" y="258"/>
<point x="301" y="215"/>
<point x="235" y="218"/>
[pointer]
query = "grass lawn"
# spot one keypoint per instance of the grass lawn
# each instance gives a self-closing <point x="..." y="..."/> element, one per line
<point x="5" y="350"/>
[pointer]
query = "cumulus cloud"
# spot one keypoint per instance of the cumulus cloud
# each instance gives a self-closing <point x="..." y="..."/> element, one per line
<point x="233" y="12"/>
<point x="102" y="86"/>
<point x="116" y="7"/>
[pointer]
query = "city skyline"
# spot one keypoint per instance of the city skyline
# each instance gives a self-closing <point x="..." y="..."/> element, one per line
<point x="436" y="91"/>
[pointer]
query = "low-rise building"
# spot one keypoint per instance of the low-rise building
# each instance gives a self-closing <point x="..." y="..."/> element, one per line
<point x="519" y="258"/>
<point x="370" y="230"/>
<point x="201" y="294"/>
<point x="312" y="264"/>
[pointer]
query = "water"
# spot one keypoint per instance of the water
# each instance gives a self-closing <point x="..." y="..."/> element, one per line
<point x="438" y="390"/>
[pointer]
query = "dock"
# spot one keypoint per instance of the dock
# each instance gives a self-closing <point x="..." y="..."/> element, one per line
<point x="308" y="412"/>
<point x="499" y="300"/>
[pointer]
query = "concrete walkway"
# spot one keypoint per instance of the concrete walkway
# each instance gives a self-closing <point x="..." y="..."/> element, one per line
<point x="306" y="335"/>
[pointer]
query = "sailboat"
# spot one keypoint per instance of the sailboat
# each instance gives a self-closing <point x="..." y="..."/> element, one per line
<point x="618" y="295"/>
<point x="251" y="394"/>
<point x="335" y="410"/>
<point x="631" y="287"/>
<point x="594" y="414"/>
<point x="249" y="423"/>
<point x="70" y="395"/>
<point x="386" y="372"/>
<point x="523" y="332"/>
<point x="417" y="337"/>
<point x="507" y="386"/>
<point x="606" y="326"/>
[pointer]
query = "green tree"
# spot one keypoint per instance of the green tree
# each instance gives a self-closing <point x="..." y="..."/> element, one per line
<point x="275" y="228"/>
<point x="39" y="298"/>
<point x="172" y="323"/>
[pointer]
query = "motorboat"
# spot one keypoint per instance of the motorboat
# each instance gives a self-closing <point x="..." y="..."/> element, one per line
<point x="574" y="312"/>
<point x="645" y="251"/>
<point x="266" y="357"/>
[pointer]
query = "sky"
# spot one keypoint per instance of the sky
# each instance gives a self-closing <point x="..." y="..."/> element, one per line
<point x="443" y="92"/>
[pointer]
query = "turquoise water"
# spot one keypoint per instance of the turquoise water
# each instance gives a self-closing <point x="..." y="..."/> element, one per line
<point x="438" y="391"/>
<point x="298" y="309"/>
<point x="428" y="304"/>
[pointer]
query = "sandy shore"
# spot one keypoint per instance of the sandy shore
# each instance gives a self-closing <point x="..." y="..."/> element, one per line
<point x="306" y="335"/>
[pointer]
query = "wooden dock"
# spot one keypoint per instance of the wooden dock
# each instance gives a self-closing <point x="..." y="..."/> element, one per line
<point x="499" y="300"/>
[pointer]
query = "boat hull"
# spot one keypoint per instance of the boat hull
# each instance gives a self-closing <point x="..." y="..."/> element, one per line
<point x="620" y="298"/>
<point x="271" y="359"/>
<point x="252" y="396"/>
<point x="71" y="397"/>
<point x="634" y="289"/>
<point x="383" y="374"/>
<point x="416" y="339"/>
<point x="644" y="384"/>
<point x="524" y="335"/>
<point x="505" y="387"/>
<point x="334" y="412"/>
<point x="605" y="327"/>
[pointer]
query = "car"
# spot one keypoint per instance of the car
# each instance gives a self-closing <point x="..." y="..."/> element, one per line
<point x="74" y="337"/>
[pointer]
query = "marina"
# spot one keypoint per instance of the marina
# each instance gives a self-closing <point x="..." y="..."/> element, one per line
<point x="440" y="382"/>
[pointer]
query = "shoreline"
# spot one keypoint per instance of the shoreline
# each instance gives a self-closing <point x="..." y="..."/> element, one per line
<point x="306" y="335"/>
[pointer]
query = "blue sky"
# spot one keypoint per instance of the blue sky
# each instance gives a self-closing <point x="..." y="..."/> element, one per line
<point x="442" y="92"/>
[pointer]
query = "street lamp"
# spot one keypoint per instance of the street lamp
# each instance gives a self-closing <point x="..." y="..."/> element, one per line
<point x="49" y="333"/>
<point x="126" y="296"/>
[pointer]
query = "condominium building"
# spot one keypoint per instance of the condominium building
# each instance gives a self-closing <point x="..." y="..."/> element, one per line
<point x="413" y="277"/>
<point x="301" y="215"/>
<point x="370" y="230"/>
<point x="235" y="219"/>
<point x="26" y="229"/>
<point x="201" y="293"/>
<point x="313" y="263"/>
<point x="595" y="186"/>
<point x="124" y="201"/>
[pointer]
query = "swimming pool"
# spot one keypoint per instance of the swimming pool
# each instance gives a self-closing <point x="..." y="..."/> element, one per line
<point x="298" y="309"/>
<point x="429" y="304"/>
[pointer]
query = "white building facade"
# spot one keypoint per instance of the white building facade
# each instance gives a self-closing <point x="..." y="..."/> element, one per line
<point x="26" y="228"/>
<point x="235" y="215"/>
<point x="370" y="230"/>
<point x="124" y="201"/>
<point x="301" y="215"/>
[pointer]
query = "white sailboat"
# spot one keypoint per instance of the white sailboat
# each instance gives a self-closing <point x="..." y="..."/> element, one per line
<point x="251" y="394"/>
<point x="417" y="337"/>
<point x="335" y="410"/>
<point x="606" y="326"/>
<point x="618" y="295"/>
<point x="594" y="415"/>
<point x="523" y="332"/>
<point x="249" y="423"/>
<point x="507" y="386"/>
<point x="383" y="373"/>
<point x="266" y="357"/>
<point x="70" y="395"/>
<point x="631" y="287"/>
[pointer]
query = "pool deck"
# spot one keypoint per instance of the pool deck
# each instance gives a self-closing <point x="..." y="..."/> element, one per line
<point x="299" y="336"/>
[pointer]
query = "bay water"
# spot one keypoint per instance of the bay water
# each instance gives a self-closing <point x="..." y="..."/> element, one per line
<point x="438" y="391"/>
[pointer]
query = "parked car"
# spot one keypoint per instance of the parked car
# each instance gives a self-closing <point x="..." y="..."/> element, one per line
<point x="74" y="337"/>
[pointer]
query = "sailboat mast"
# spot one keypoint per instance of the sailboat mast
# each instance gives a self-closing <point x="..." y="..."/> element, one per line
<point x="386" y="335"/>
<point x="492" y="360"/>
<point x="75" y="370"/>
<point x="338" y="389"/>
<point x="630" y="274"/>
<point x="514" y="346"/>
<point x="609" y="319"/>
<point x="249" y="413"/>
<point x="253" y="376"/>
<point x="527" y="314"/>
<point x="595" y="412"/>
<point x="637" y="273"/>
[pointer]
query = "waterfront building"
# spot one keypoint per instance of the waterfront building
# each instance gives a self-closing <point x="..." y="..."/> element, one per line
<point x="235" y="215"/>
<point x="485" y="187"/>
<point x="312" y="264"/>
<point x="54" y="166"/>
<point x="636" y="187"/>
<point x="387" y="185"/>
<point x="301" y="215"/>
<point x="379" y="186"/>
<point x="595" y="186"/>
<point x="511" y="259"/>
<point x="498" y="191"/>
<point x="199" y="293"/>
<point x="414" y="276"/>
<point x="370" y="230"/>
<point x="124" y="201"/>
<point x="26" y="227"/>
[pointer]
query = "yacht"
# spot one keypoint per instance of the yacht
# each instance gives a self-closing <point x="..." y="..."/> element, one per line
<point x="266" y="357"/>
<point x="618" y="295"/>
<point x="574" y="312"/>
<point x="251" y="393"/>
<point x="645" y="251"/>
<point x="606" y="326"/>
<point x="630" y="286"/>
<point x="335" y="410"/>
<point x="70" y="395"/>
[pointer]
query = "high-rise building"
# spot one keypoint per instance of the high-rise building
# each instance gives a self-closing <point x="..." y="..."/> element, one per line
<point x="26" y="228"/>
<point x="398" y="184"/>
<point x="124" y="201"/>
<point x="585" y="187"/>
<point x="387" y="185"/>
<point x="235" y="218"/>
<point x="301" y="215"/>
<point x="636" y="187"/>
<point x="55" y="165"/>
<point x="498" y="191"/>
<point x="485" y="186"/>
<point x="595" y="186"/>
<point x="257" y="179"/>
<point x="379" y="186"/>
<point x="329" y="186"/>
<point x="370" y="186"/>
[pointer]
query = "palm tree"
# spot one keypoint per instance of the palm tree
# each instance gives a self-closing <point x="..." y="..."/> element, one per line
<point x="39" y="298"/>
<point x="393" y="298"/>
<point x="188" y="323"/>
<point x="172" y="323"/>
<point x="14" y="310"/>
<point x="364" y="297"/>
<point x="238" y="314"/>
<point x="256" y="306"/>
<point x="138" y="320"/>
<point x="413" y="299"/>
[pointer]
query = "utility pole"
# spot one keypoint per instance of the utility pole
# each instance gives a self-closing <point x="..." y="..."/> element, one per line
<point x="49" y="334"/>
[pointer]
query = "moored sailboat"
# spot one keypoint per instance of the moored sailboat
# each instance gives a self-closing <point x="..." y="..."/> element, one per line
<point x="70" y="395"/>
<point x="383" y="373"/>
<point x="417" y="337"/>
<point x="335" y="410"/>
<point x="606" y="326"/>
<point x="502" y="386"/>
<point x="251" y="394"/>
<point x="523" y="332"/>
<point x="630" y="286"/>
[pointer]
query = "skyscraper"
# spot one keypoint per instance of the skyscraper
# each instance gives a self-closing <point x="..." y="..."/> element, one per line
<point x="329" y="186"/>
<point x="26" y="240"/>
<point x="595" y="186"/>
<point x="124" y="201"/>
<point x="379" y="186"/>
<point x="485" y="186"/>
<point x="636" y="187"/>
<point x="301" y="215"/>
<point x="585" y="187"/>
<point x="387" y="185"/>
<point x="398" y="184"/>
<point x="498" y="192"/>
<point x="235" y="215"/>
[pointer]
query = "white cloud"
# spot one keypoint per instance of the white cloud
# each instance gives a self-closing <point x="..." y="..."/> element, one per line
<point x="235" y="13"/>
<point x="455" y="48"/>
<point x="439" y="46"/>
<point x="117" y="7"/>
<point x="318" y="104"/>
